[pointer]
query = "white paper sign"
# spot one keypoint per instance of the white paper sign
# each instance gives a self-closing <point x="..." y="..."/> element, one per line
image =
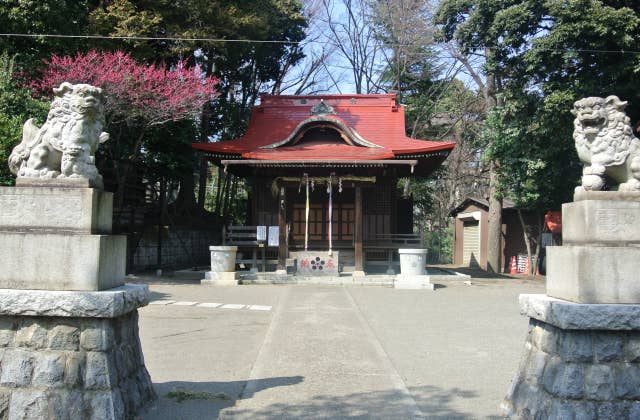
<point x="274" y="235"/>
<point x="261" y="233"/>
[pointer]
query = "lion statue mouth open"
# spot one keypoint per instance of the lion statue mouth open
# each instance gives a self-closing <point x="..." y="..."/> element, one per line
<point x="64" y="147"/>
<point x="606" y="145"/>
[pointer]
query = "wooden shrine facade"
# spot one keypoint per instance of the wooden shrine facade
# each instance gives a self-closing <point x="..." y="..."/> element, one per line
<point x="325" y="170"/>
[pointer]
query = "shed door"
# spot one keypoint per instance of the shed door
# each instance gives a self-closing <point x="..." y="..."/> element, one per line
<point x="471" y="243"/>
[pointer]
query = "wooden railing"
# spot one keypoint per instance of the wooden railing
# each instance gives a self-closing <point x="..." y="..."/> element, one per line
<point x="246" y="239"/>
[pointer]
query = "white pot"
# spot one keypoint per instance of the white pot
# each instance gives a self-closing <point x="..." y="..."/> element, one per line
<point x="223" y="258"/>
<point x="413" y="261"/>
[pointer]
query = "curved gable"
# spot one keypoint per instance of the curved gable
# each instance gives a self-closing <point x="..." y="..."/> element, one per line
<point x="349" y="135"/>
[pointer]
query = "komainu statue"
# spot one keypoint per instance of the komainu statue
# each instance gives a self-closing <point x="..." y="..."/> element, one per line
<point x="64" y="147"/>
<point x="606" y="145"/>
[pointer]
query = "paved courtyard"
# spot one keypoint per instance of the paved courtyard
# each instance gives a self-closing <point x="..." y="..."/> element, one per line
<point x="296" y="351"/>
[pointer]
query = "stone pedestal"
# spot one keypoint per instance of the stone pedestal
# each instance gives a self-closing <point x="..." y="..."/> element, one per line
<point x="580" y="361"/>
<point x="413" y="282"/>
<point x="58" y="238"/>
<point x="598" y="262"/>
<point x="223" y="266"/>
<point x="413" y="274"/>
<point x="69" y="343"/>
<point x="72" y="355"/>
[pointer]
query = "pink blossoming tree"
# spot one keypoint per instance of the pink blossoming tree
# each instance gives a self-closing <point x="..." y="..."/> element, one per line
<point x="140" y="99"/>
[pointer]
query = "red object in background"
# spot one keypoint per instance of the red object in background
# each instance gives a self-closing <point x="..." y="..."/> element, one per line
<point x="514" y="265"/>
<point x="553" y="221"/>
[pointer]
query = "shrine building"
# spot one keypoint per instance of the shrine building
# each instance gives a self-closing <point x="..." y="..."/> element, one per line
<point x="324" y="174"/>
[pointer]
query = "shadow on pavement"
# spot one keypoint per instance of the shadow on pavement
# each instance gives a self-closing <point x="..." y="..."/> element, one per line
<point x="435" y="403"/>
<point x="205" y="400"/>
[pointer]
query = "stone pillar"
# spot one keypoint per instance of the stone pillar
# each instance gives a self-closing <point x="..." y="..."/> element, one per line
<point x="223" y="266"/>
<point x="69" y="344"/>
<point x="582" y="353"/>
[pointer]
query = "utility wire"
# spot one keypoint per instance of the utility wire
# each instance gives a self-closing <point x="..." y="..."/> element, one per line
<point x="258" y="41"/>
<point x="148" y="38"/>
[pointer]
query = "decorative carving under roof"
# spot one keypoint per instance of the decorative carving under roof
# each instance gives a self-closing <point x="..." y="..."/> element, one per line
<point x="322" y="109"/>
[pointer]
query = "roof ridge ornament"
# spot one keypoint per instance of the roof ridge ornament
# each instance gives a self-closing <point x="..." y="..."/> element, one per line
<point x="322" y="109"/>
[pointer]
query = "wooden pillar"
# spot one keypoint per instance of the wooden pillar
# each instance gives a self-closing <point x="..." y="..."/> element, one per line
<point x="359" y="255"/>
<point x="282" y="228"/>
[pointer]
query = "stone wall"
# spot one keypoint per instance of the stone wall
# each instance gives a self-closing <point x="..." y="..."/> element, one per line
<point x="180" y="248"/>
<point x="71" y="368"/>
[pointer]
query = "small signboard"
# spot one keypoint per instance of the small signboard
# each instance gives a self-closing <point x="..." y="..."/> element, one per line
<point x="261" y="233"/>
<point x="274" y="235"/>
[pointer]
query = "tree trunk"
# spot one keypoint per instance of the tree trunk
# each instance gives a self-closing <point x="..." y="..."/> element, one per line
<point x="219" y="185"/>
<point x="494" y="248"/>
<point x="494" y="238"/>
<point x="226" y="198"/>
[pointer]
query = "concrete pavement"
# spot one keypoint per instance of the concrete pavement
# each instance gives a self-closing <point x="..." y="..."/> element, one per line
<point x="333" y="351"/>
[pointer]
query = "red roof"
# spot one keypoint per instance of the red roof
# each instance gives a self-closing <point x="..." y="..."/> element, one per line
<point x="372" y="127"/>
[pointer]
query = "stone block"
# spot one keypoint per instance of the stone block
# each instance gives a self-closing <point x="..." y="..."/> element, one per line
<point x="598" y="383"/>
<point x="110" y="303"/>
<point x="576" y="346"/>
<point x="593" y="274"/>
<point x="17" y="367"/>
<point x="74" y="369"/>
<point x="563" y="409"/>
<point x="634" y="410"/>
<point x="632" y="348"/>
<point x="5" y="398"/>
<point x="49" y="370"/>
<point x="569" y="381"/>
<point x="220" y="278"/>
<point x="607" y="347"/>
<point x="97" y="335"/>
<point x="56" y="261"/>
<point x="107" y="406"/>
<point x="612" y="410"/>
<point x="578" y="316"/>
<point x="535" y="364"/>
<point x="64" y="337"/>
<point x="32" y="334"/>
<point x="7" y="331"/>
<point x="56" y="209"/>
<point x="100" y="372"/>
<point x="614" y="222"/>
<point x="29" y="404"/>
<point x="545" y="338"/>
<point x="627" y="381"/>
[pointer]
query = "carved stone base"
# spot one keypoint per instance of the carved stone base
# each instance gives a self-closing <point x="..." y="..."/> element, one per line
<point x="580" y="361"/>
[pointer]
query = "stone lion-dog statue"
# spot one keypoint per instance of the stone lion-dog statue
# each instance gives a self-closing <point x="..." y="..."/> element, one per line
<point x="65" y="146"/>
<point x="606" y="145"/>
